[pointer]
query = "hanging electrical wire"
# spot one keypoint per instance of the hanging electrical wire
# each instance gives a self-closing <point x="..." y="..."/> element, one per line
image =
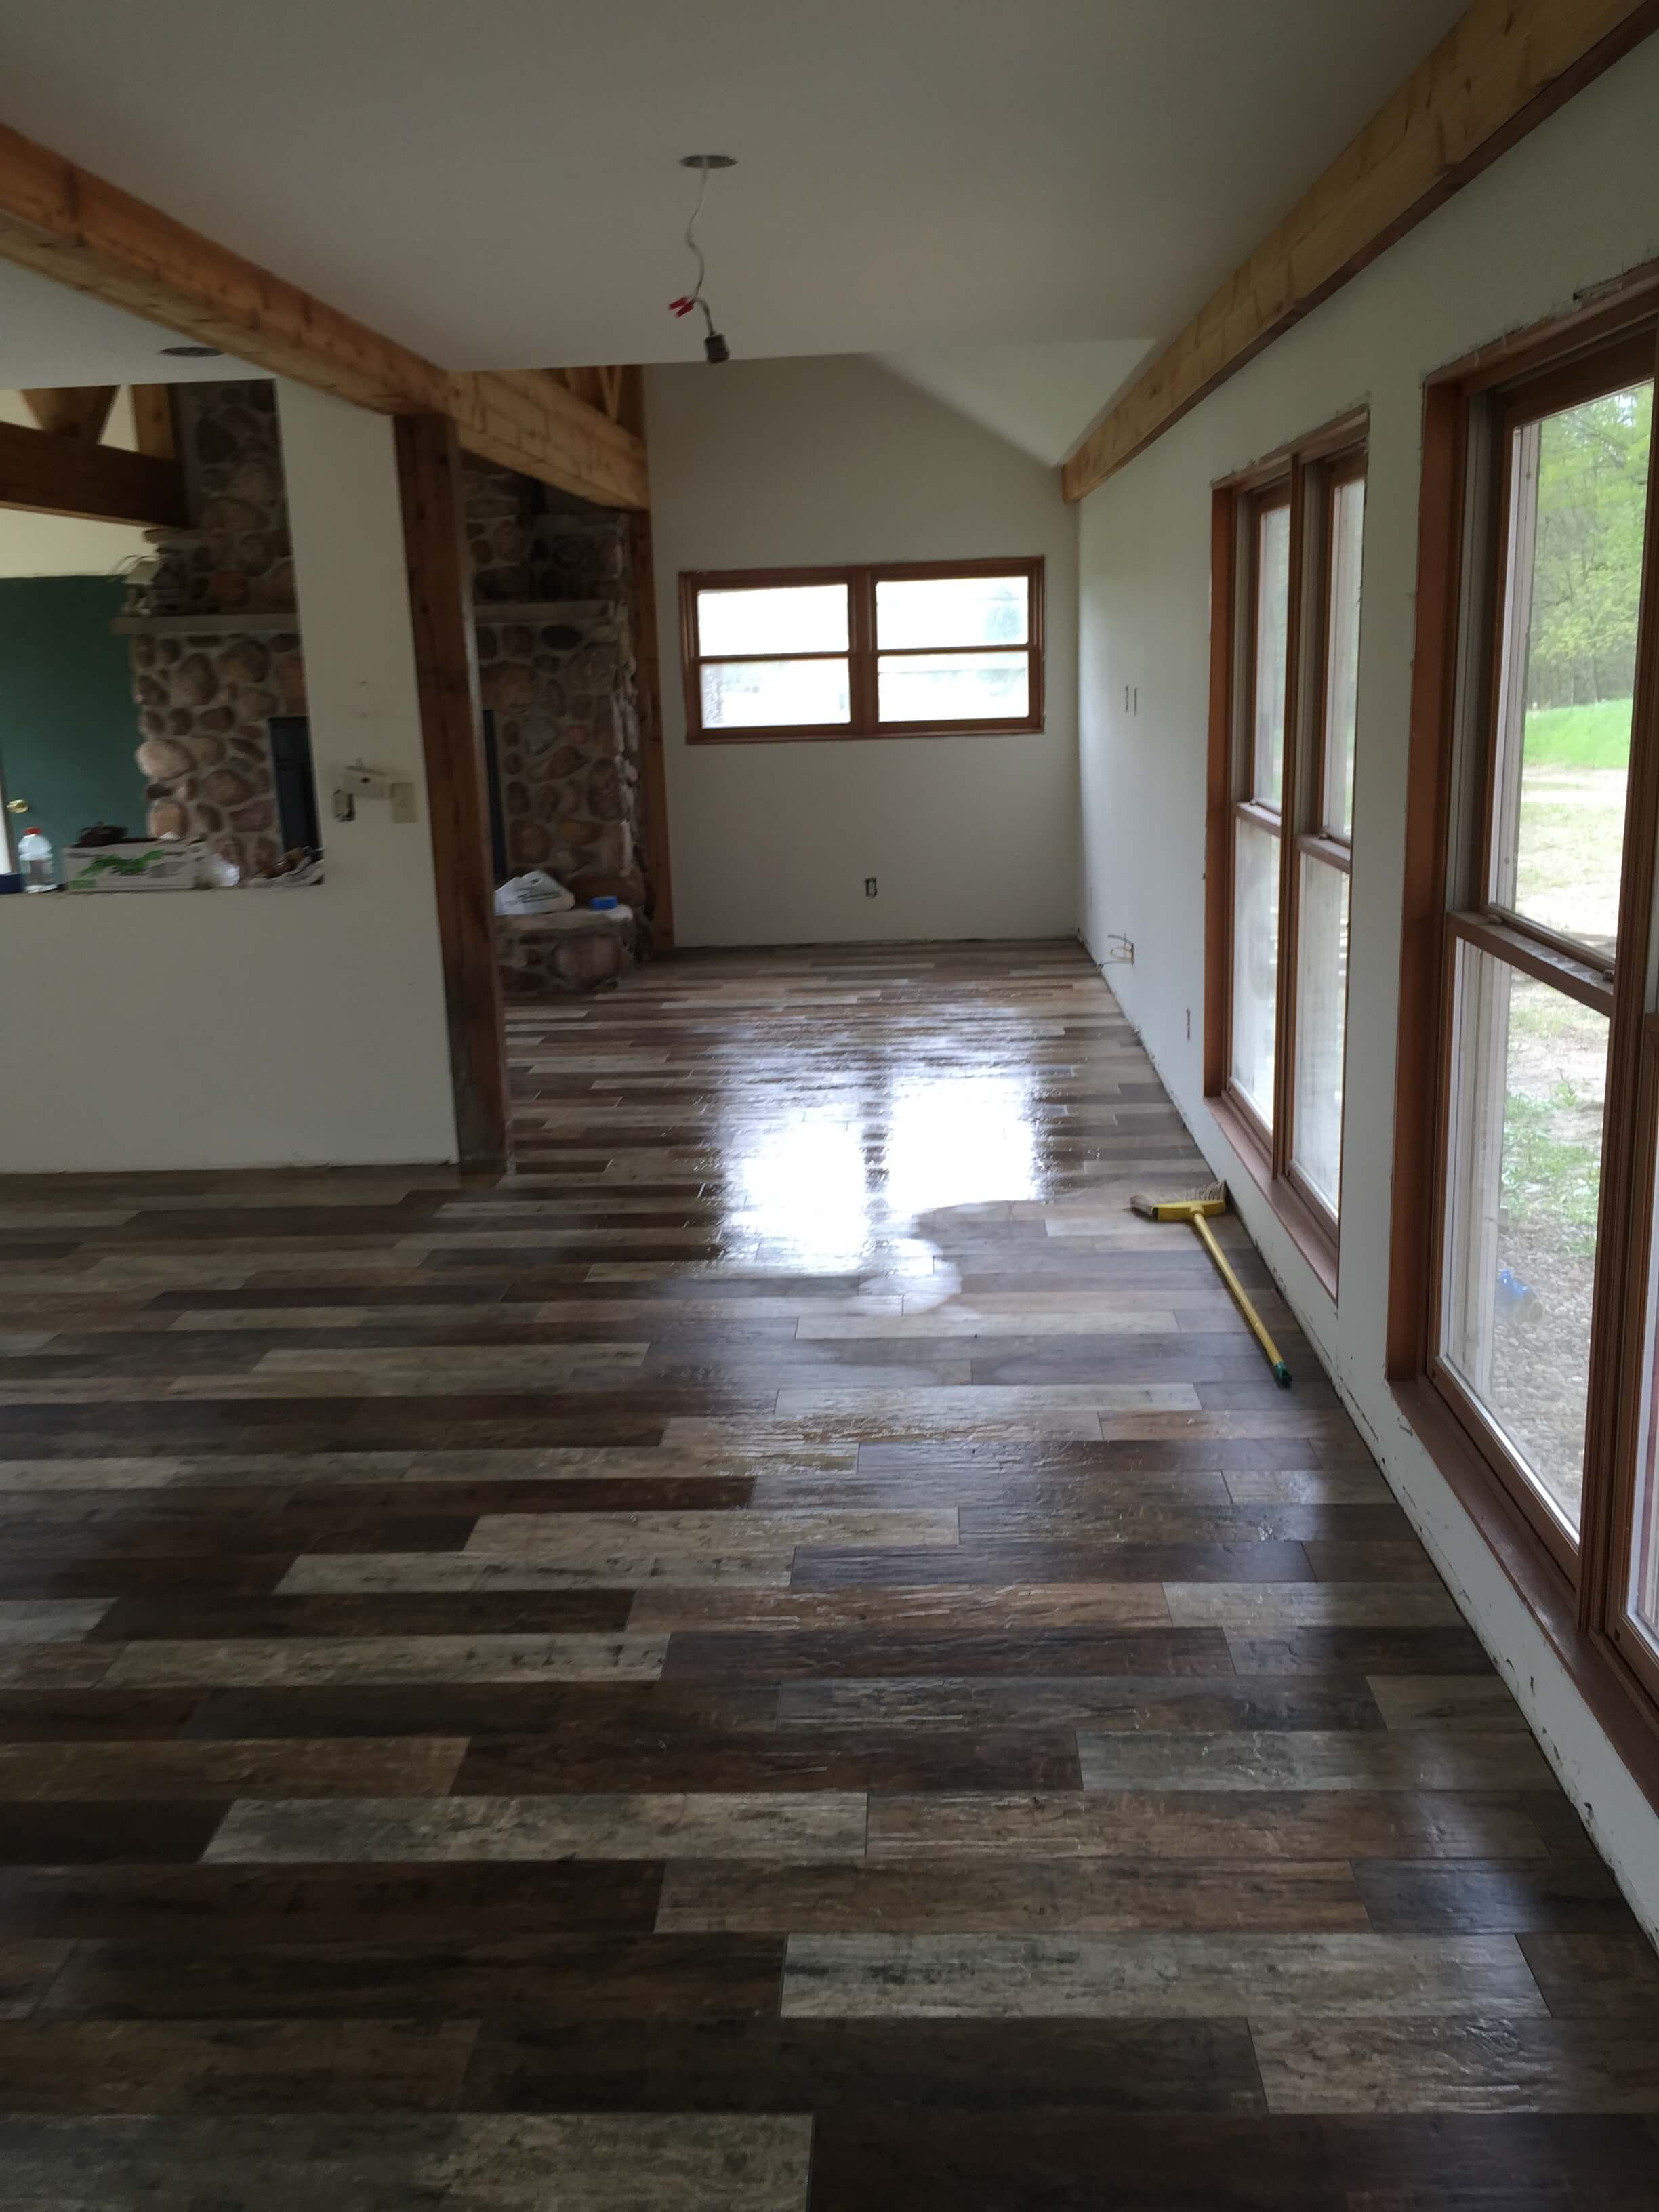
<point x="713" y="345"/>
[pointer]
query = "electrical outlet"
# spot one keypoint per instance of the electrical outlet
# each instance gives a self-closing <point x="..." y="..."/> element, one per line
<point x="869" y="887"/>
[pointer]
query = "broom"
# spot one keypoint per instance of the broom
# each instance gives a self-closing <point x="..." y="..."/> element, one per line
<point x="1194" y="1207"/>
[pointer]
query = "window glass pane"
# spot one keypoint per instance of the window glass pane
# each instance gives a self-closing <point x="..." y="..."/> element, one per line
<point x="1273" y="605"/>
<point x="784" y="618"/>
<point x="1256" y="962"/>
<point x="746" y="695"/>
<point x="1643" y="1598"/>
<point x="952" y="611"/>
<point x="1342" y="652"/>
<point x="1528" y="1091"/>
<point x="1578" y="507"/>
<point x="1322" y="999"/>
<point x="948" y="687"/>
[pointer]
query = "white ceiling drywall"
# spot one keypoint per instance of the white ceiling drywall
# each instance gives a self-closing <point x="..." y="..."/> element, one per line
<point x="1043" y="398"/>
<point x="50" y="335"/>
<point x="496" y="183"/>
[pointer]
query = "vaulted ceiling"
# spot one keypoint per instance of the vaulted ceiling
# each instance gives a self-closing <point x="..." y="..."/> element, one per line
<point x="497" y="185"/>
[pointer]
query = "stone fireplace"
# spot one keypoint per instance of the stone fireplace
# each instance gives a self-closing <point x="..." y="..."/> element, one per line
<point x="215" y="646"/>
<point x="217" y="652"/>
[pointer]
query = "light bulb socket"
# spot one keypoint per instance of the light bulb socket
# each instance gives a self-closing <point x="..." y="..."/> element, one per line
<point x="715" y="348"/>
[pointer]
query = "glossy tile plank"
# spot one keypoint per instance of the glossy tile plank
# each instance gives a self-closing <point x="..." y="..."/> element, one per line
<point x="961" y="1608"/>
<point x="844" y="2069"/>
<point x="1605" y="1975"/>
<point x="1261" y="1977"/>
<point x="193" y="1908"/>
<point x="574" y="1976"/>
<point x="1237" y="1824"/>
<point x="827" y="1823"/>
<point x="797" y="1654"/>
<point x="984" y="1896"/>
<point x="99" y="2067"/>
<point x="311" y="1767"/>
<point x="46" y="1620"/>
<point x="1446" y="1703"/>
<point x="1254" y="1609"/>
<point x="1497" y="2063"/>
<point x="1353" y="2162"/>
<point x="301" y="1661"/>
<point x="1575" y="1894"/>
<point x="1132" y="1704"/>
<point x="586" y="1709"/>
<point x="673" y="2162"/>
<point x="1078" y="1561"/>
<point x="1245" y="1758"/>
<point x="606" y="1759"/>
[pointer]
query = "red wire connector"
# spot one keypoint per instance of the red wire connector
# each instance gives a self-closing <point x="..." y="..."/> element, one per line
<point x="682" y="306"/>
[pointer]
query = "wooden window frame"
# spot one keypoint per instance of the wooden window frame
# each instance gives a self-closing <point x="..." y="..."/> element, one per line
<point x="1576" y="1593"/>
<point x="1305" y="475"/>
<point x="863" y="653"/>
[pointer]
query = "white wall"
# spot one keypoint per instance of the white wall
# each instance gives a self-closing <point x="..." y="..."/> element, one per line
<point x="57" y="544"/>
<point x="784" y="463"/>
<point x="255" y="1028"/>
<point x="1575" y="202"/>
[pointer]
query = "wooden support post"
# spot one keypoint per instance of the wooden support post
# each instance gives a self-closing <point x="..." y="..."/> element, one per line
<point x="653" y="781"/>
<point x="452" y="732"/>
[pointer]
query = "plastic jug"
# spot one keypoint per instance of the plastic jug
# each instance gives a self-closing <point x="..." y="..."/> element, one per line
<point x="35" y="862"/>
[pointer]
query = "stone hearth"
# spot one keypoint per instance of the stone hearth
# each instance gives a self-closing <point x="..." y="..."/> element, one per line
<point x="542" y="954"/>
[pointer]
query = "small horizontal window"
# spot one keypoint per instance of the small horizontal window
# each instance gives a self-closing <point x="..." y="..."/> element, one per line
<point x="909" y="650"/>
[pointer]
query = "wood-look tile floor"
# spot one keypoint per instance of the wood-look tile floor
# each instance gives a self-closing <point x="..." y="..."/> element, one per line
<point x="788" y="1655"/>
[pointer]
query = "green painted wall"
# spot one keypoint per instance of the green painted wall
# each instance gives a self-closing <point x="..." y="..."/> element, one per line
<point x="68" y="723"/>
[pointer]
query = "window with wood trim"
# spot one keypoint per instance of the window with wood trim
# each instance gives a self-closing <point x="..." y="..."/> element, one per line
<point x="1287" y="544"/>
<point x="1524" y="1292"/>
<point x="912" y="649"/>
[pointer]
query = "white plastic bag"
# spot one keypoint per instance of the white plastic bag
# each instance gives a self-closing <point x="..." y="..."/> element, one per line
<point x="535" y="892"/>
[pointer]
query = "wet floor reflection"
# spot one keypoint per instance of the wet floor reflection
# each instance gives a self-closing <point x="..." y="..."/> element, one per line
<point x="840" y="1180"/>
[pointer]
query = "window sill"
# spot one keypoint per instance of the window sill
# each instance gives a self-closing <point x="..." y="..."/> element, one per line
<point x="1625" y="1714"/>
<point x="845" y="736"/>
<point x="1306" y="1231"/>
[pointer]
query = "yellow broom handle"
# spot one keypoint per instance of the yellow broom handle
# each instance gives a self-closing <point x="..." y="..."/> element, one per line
<point x="1258" y="1327"/>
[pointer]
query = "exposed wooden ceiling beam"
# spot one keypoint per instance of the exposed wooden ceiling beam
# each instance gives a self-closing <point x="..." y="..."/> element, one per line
<point x="153" y="421"/>
<point x="73" y="226"/>
<point x="72" y="410"/>
<point x="99" y="483"/>
<point x="1501" y="71"/>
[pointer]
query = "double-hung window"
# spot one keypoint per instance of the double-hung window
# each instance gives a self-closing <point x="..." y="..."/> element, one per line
<point x="1524" y="1296"/>
<point x="1284" y="652"/>
<point x="912" y="649"/>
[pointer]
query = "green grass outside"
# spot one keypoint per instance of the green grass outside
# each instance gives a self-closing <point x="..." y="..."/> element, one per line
<point x="1549" y="1182"/>
<point x="1579" y="737"/>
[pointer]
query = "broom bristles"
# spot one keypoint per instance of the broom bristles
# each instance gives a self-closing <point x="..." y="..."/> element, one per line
<point x="1203" y="1194"/>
